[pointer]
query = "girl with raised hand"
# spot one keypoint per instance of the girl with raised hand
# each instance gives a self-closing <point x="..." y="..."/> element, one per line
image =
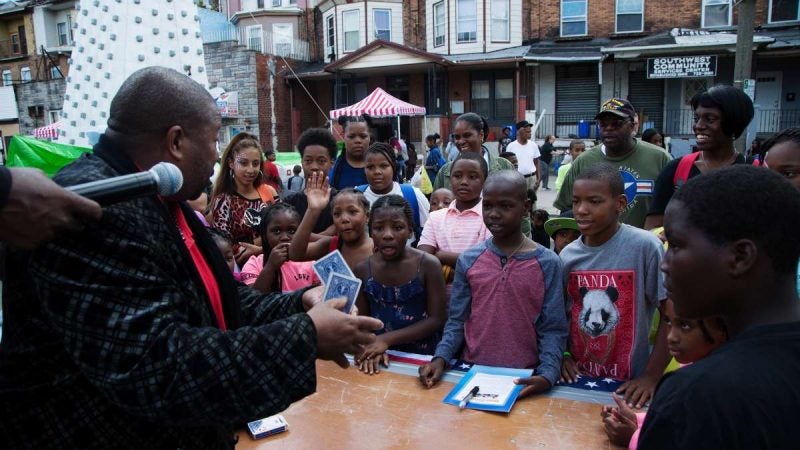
<point x="350" y="214"/>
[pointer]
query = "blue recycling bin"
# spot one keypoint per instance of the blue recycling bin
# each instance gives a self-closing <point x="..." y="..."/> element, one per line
<point x="583" y="129"/>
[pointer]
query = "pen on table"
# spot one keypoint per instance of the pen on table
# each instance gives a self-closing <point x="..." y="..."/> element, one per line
<point x="463" y="403"/>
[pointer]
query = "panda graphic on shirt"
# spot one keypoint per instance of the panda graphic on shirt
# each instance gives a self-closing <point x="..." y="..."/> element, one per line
<point x="602" y="321"/>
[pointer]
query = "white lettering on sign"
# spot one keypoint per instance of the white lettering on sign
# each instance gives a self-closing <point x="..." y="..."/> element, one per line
<point x="682" y="67"/>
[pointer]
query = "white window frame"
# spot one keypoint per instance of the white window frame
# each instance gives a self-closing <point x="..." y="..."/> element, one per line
<point x="436" y="25"/>
<point x="276" y="33"/>
<point x="497" y="20"/>
<point x="769" y="14"/>
<point x="458" y="23"/>
<point x="618" y="13"/>
<point x="65" y="34"/>
<point x="249" y="39"/>
<point x="375" y="22"/>
<point x="25" y="75"/>
<point x="330" y="35"/>
<point x="345" y="15"/>
<point x="574" y="19"/>
<point x="707" y="3"/>
<point x="8" y="80"/>
<point x="54" y="73"/>
<point x="54" y="115"/>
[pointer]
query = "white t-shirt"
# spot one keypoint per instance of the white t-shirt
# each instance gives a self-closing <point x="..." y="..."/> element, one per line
<point x="422" y="201"/>
<point x="525" y="155"/>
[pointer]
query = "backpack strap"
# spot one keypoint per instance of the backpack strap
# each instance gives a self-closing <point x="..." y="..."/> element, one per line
<point x="411" y="198"/>
<point x="684" y="167"/>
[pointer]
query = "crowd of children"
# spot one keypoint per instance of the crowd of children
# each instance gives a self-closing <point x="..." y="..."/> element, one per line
<point x="456" y="275"/>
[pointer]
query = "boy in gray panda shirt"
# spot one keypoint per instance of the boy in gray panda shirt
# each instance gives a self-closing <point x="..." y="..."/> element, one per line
<point x="613" y="286"/>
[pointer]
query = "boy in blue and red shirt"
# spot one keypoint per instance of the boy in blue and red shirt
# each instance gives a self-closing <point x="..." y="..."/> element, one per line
<point x="507" y="304"/>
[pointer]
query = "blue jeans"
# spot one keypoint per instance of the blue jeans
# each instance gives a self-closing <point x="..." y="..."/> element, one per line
<point x="544" y="172"/>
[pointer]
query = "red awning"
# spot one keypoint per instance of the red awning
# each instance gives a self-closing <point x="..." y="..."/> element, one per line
<point x="379" y="104"/>
<point x="47" y="132"/>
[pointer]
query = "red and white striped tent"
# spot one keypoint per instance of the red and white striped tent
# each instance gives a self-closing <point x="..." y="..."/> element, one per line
<point x="379" y="104"/>
<point x="47" y="132"/>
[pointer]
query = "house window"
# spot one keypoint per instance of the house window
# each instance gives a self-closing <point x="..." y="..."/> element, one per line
<point x="282" y="39"/>
<point x="438" y="24"/>
<point x="331" y="37"/>
<point x="25" y="74"/>
<point x="467" y="23"/>
<point x="62" y="33"/>
<point x="255" y="39"/>
<point x="55" y="73"/>
<point x="573" y="18"/>
<point x="54" y="115"/>
<point x="493" y="96"/>
<point x="692" y="87"/>
<point x="292" y="2"/>
<point x="69" y="27"/>
<point x="251" y="5"/>
<point x="716" y="13"/>
<point x="784" y="11"/>
<point x="7" y="78"/>
<point x="383" y="24"/>
<point x="15" y="49"/>
<point x="630" y="16"/>
<point x="276" y="3"/>
<point x="350" y="28"/>
<point x="500" y="21"/>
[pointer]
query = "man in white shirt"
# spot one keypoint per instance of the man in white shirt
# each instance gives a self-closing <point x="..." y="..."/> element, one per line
<point x="527" y="154"/>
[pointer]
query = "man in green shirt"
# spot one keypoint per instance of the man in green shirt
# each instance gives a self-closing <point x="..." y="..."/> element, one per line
<point x="639" y="162"/>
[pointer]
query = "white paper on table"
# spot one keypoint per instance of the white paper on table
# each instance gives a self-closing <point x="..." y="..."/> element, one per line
<point x="494" y="390"/>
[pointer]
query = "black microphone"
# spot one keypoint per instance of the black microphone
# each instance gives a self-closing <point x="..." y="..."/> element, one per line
<point x="164" y="179"/>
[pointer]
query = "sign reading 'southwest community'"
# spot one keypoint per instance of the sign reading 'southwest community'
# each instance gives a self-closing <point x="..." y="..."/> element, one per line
<point x="682" y="66"/>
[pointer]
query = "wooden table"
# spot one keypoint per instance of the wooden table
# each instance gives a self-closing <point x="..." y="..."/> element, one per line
<point x="392" y="410"/>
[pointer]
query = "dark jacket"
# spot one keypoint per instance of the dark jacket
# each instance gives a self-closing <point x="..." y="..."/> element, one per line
<point x="109" y="339"/>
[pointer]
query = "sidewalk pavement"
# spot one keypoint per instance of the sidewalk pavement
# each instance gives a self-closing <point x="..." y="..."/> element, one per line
<point x="545" y="200"/>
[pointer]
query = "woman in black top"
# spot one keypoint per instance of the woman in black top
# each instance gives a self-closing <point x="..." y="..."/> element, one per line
<point x="545" y="159"/>
<point x="721" y="115"/>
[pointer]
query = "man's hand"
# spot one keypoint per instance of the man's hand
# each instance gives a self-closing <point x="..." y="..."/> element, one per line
<point x="431" y="373"/>
<point x="38" y="209"/>
<point x="339" y="333"/>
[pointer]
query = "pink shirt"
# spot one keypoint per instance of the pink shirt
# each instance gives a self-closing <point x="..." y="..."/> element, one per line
<point x="452" y="230"/>
<point x="294" y="274"/>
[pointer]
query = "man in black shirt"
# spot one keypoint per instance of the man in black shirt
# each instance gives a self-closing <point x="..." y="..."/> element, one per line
<point x="733" y="253"/>
<point x="545" y="158"/>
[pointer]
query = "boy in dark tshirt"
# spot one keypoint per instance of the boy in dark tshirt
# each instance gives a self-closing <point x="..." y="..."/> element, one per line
<point x="733" y="252"/>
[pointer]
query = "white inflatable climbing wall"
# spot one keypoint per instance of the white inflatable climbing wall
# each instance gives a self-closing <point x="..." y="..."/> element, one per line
<point x="113" y="39"/>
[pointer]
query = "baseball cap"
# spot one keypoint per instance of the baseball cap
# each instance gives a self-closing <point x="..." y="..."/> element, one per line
<point x="619" y="107"/>
<point x="523" y="124"/>
<point x="560" y="223"/>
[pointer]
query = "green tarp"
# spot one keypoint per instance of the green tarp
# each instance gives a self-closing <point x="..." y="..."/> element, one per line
<point x="25" y="151"/>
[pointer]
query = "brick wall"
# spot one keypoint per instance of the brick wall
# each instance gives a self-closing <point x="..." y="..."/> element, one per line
<point x="545" y="16"/>
<point x="414" y="23"/>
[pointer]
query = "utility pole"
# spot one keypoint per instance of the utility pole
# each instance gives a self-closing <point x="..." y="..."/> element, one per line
<point x="743" y="64"/>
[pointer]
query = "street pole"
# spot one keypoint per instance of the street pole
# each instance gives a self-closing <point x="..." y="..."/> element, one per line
<point x="742" y="68"/>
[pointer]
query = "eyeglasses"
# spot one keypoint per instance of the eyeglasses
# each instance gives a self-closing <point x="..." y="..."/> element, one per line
<point x="612" y="123"/>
